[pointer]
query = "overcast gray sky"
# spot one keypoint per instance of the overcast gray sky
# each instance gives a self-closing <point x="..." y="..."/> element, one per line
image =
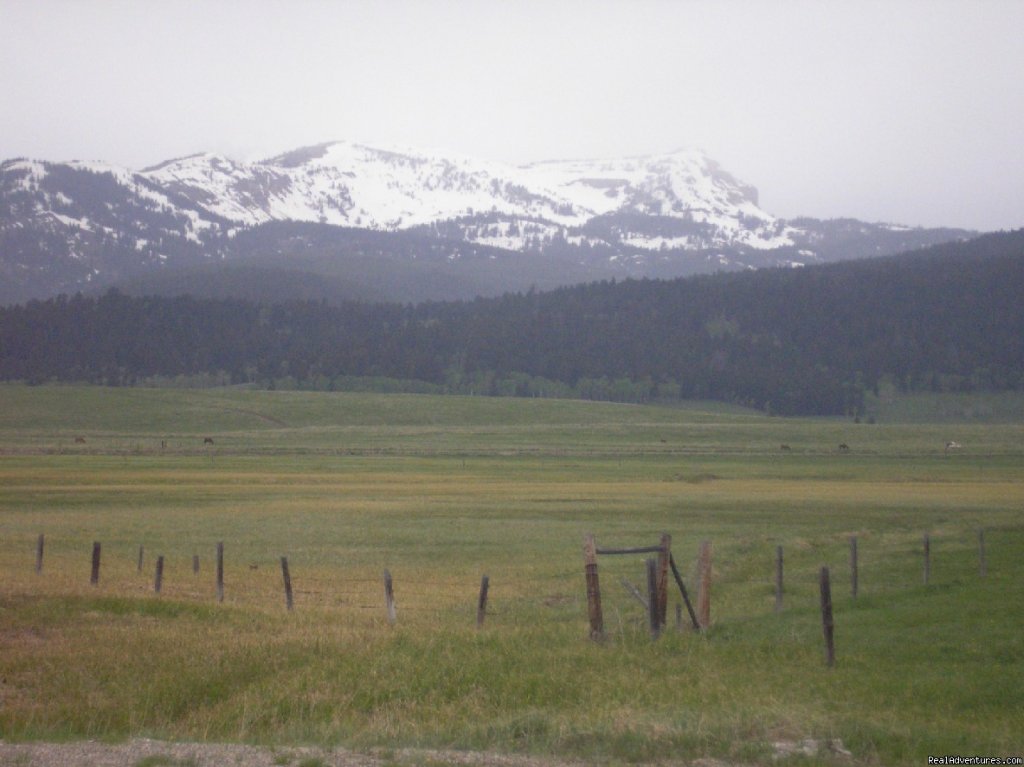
<point x="902" y="110"/>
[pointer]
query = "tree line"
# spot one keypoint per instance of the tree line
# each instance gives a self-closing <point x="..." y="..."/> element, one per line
<point x="789" y="341"/>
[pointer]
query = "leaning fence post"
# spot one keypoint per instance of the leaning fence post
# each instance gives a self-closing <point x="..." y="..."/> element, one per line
<point x="927" y="558"/>
<point x="704" y="587"/>
<point x="653" y="596"/>
<point x="778" y="579"/>
<point x="853" y="566"/>
<point x="389" y="597"/>
<point x="94" y="578"/>
<point x="39" y="554"/>
<point x="481" y="605"/>
<point x="593" y="588"/>
<point x="159" y="581"/>
<point x="287" y="583"/>
<point x="220" y="571"/>
<point x="682" y="590"/>
<point x="828" y="627"/>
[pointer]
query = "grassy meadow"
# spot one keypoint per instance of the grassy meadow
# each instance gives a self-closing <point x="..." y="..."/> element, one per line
<point x="442" y="490"/>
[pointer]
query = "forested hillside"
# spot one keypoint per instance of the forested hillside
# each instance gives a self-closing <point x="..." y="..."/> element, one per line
<point x="791" y="341"/>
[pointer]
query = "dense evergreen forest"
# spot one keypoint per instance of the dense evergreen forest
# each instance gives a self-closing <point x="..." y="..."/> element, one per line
<point x="790" y="341"/>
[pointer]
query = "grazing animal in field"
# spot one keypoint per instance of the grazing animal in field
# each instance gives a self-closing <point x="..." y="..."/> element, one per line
<point x="79" y="440"/>
<point x="784" y="447"/>
<point x="953" y="446"/>
<point x="207" y="440"/>
<point x="844" y="448"/>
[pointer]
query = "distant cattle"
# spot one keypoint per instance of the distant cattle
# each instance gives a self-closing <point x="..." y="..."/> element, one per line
<point x="953" y="446"/>
<point x="79" y="440"/>
<point x="207" y="440"/>
<point x="784" y="447"/>
<point x="844" y="448"/>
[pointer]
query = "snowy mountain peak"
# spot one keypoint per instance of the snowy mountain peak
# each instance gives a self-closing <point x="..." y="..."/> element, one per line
<point x="68" y="225"/>
<point x="351" y="184"/>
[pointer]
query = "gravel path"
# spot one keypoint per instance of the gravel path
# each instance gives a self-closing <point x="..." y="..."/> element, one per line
<point x="140" y="752"/>
<point x="153" y="753"/>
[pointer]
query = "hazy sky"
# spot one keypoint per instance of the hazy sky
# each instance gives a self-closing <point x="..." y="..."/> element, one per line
<point x="900" y="111"/>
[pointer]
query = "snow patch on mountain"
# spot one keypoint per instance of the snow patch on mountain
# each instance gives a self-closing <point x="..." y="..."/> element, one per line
<point x="350" y="184"/>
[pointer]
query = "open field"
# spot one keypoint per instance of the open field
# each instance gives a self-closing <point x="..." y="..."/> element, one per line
<point x="441" y="490"/>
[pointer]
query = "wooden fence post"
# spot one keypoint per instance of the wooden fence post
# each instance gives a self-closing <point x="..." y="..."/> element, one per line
<point x="653" y="613"/>
<point x="195" y="564"/>
<point x="220" y="571"/>
<point x="704" y="587"/>
<point x="139" y="566"/>
<point x="778" y="579"/>
<point x="287" y="583"/>
<point x="39" y="554"/>
<point x="827" y="624"/>
<point x="94" y="578"/>
<point x="982" y="561"/>
<point x="663" y="560"/>
<point x="927" y="558"/>
<point x="593" y="588"/>
<point x="481" y="604"/>
<point x="158" y="583"/>
<point x="853" y="566"/>
<point x="389" y="597"/>
<point x="682" y="590"/>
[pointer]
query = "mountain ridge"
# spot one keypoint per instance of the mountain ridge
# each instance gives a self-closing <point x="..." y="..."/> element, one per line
<point x="75" y="225"/>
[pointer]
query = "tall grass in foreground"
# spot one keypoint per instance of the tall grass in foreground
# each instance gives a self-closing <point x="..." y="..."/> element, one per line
<point x="921" y="670"/>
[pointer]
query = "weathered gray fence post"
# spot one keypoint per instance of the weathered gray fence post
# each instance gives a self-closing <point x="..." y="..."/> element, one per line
<point x="663" y="559"/>
<point x="159" y="582"/>
<point x="39" y="554"/>
<point x="389" y="597"/>
<point x="139" y="566"/>
<point x="853" y="566"/>
<point x="287" y="583"/>
<point x="593" y="589"/>
<point x="220" y="571"/>
<point x="828" y="627"/>
<point x="94" y="578"/>
<point x="778" y="579"/>
<point x="653" y="612"/>
<point x="704" y="587"/>
<point x="481" y="604"/>
<point x="195" y="564"/>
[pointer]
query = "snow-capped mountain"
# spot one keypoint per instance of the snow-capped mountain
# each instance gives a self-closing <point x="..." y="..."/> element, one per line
<point x="66" y="226"/>
<point x="346" y="184"/>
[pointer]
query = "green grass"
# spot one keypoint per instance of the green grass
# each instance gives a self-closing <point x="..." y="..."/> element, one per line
<point x="160" y="760"/>
<point x="441" y="490"/>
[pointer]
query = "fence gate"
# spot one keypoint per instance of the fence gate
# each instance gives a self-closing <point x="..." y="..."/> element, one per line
<point x="657" y="584"/>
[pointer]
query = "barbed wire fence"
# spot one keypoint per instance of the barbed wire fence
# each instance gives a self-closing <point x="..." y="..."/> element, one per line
<point x="612" y="589"/>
